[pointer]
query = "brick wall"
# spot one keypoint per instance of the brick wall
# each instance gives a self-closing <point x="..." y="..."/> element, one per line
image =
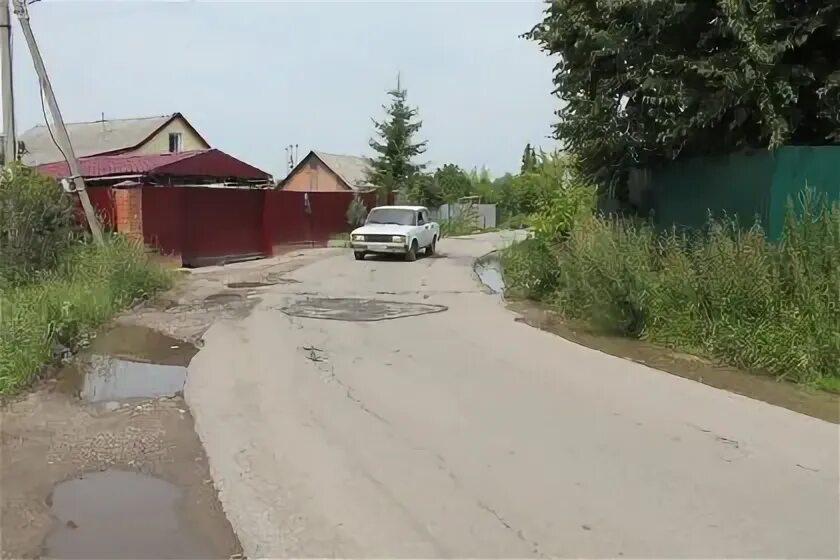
<point x="128" y="204"/>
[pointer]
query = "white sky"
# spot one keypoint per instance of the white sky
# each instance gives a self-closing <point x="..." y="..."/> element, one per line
<point x="254" y="77"/>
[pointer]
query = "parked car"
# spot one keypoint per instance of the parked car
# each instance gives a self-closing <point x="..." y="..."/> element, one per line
<point x="404" y="230"/>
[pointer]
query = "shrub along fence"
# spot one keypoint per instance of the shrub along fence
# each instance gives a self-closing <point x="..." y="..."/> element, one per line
<point x="724" y="291"/>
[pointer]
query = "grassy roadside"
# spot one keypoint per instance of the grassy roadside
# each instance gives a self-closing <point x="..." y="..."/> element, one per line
<point x="88" y="287"/>
<point x="727" y="294"/>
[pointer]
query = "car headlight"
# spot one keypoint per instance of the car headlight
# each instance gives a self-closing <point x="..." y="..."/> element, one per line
<point x="398" y="239"/>
<point x="358" y="238"/>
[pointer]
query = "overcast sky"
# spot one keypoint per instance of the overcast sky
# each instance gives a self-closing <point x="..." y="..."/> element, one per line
<point x="253" y="77"/>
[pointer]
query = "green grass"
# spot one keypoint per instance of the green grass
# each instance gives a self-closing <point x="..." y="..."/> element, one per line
<point x="726" y="293"/>
<point x="88" y="287"/>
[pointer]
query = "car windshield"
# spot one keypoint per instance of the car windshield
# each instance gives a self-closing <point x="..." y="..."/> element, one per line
<point x="398" y="216"/>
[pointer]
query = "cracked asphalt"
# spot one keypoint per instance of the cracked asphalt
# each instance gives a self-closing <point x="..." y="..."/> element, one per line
<point x="464" y="433"/>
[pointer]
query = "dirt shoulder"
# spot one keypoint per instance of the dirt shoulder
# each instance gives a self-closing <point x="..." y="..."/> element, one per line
<point x="815" y="403"/>
<point x="50" y="436"/>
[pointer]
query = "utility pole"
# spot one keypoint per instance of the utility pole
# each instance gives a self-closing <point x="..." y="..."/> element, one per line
<point x="9" y="136"/>
<point x="62" y="138"/>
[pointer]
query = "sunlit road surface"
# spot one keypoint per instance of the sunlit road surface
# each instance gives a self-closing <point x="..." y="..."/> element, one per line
<point x="455" y="431"/>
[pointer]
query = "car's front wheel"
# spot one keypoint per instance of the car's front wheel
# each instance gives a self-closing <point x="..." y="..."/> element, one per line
<point x="411" y="254"/>
<point x="360" y="255"/>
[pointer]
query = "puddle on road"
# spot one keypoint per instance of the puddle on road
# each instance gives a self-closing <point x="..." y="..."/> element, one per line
<point x="818" y="404"/>
<point x="119" y="514"/>
<point x="353" y="309"/>
<point x="489" y="271"/>
<point x="128" y="362"/>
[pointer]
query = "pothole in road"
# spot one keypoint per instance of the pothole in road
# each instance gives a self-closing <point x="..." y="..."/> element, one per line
<point x="119" y="514"/>
<point x="356" y="309"/>
<point x="239" y="285"/>
<point x="223" y="299"/>
<point x="277" y="278"/>
<point x="128" y="362"/>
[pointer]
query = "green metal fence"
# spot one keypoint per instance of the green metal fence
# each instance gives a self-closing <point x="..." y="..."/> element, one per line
<point x="748" y="185"/>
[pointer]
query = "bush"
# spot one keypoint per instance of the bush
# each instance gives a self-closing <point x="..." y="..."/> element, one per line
<point x="356" y="212"/>
<point x="557" y="212"/>
<point x="36" y="224"/>
<point x="88" y="286"/>
<point x="530" y="269"/>
<point x="725" y="292"/>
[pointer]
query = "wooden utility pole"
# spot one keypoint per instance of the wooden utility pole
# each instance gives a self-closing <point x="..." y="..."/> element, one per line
<point x="9" y="136"/>
<point x="62" y="138"/>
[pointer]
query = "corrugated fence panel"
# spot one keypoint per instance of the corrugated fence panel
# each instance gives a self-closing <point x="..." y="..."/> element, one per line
<point x="164" y="220"/>
<point x="684" y="193"/>
<point x="818" y="167"/>
<point x="222" y="224"/>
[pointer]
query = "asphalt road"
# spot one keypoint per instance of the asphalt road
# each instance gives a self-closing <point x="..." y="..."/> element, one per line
<point x="462" y="433"/>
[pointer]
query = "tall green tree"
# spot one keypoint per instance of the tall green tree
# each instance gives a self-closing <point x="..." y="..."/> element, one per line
<point x="644" y="81"/>
<point x="394" y="166"/>
<point x="529" y="159"/>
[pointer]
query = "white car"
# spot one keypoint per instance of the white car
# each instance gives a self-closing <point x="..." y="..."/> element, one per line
<point x="404" y="230"/>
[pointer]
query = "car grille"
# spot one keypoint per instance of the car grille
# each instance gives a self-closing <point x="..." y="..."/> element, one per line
<point x="378" y="238"/>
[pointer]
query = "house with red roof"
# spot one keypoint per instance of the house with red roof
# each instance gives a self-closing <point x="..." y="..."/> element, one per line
<point x="158" y="181"/>
<point x="198" y="207"/>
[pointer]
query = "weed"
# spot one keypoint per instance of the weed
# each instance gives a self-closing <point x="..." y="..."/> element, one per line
<point x="87" y="287"/>
<point x="726" y="292"/>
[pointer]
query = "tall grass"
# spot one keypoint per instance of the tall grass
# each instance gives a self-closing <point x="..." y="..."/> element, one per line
<point x="726" y="292"/>
<point x="85" y="289"/>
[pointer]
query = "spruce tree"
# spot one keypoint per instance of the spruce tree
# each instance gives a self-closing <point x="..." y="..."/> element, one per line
<point x="393" y="167"/>
<point x="529" y="159"/>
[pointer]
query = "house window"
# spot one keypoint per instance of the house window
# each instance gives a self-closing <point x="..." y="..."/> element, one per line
<point x="174" y="142"/>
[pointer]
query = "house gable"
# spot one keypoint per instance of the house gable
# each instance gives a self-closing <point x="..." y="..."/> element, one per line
<point x="320" y="171"/>
<point x="311" y="174"/>
<point x="158" y="141"/>
<point x="109" y="137"/>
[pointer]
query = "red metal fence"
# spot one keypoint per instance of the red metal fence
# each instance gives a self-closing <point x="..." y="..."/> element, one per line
<point x="202" y="225"/>
<point x="294" y="218"/>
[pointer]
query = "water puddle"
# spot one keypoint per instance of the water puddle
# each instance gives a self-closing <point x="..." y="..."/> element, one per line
<point x="119" y="514"/>
<point x="489" y="271"/>
<point x="128" y="362"/>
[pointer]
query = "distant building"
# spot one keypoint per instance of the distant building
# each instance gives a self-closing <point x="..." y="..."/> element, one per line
<point x="146" y="135"/>
<point x="323" y="172"/>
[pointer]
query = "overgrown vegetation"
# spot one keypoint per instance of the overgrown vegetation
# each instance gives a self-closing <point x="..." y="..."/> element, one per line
<point x="724" y="292"/>
<point x="55" y="287"/>
<point x="36" y="228"/>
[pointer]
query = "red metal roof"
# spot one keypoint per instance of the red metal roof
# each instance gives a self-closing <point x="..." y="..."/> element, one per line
<point x="200" y="163"/>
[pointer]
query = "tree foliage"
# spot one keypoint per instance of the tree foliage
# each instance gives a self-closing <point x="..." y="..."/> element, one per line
<point x="394" y="167"/>
<point x="454" y="183"/>
<point x="424" y="190"/>
<point x="643" y="81"/>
